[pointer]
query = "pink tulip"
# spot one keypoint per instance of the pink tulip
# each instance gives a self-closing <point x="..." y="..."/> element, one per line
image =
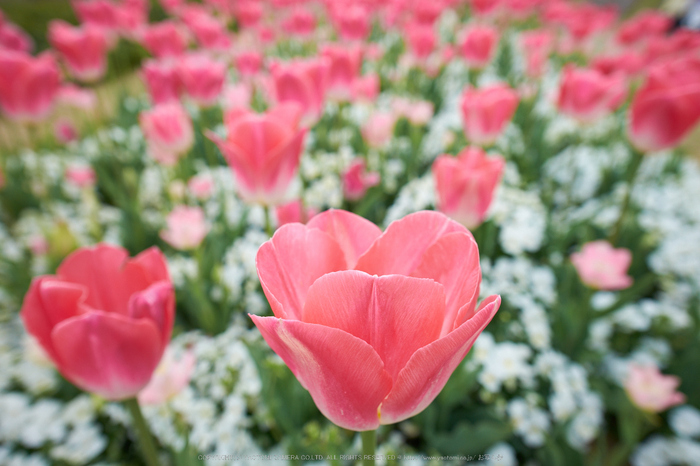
<point x="421" y="40"/>
<point x="484" y="7"/>
<point x="536" y="46"/>
<point x="248" y="63"/>
<point x="162" y="81"/>
<point x="164" y="40"/>
<point x="667" y="106"/>
<point x="379" y="129"/>
<point x="650" y="390"/>
<point x="83" y="49"/>
<point x="12" y="37"/>
<point x="603" y="267"/>
<point x="300" y="23"/>
<point x="466" y="184"/>
<point x="345" y="64"/>
<point x="487" y="111"/>
<point x="65" y="131"/>
<point x="202" y="78"/>
<point x="418" y="112"/>
<point x="248" y="13"/>
<point x="352" y="22"/>
<point x="201" y="187"/>
<point x="132" y="16"/>
<point x="642" y="26"/>
<point x="479" y="45"/>
<point x="168" y="132"/>
<point x="294" y="212"/>
<point x="372" y="323"/>
<point x="628" y="64"/>
<point x="186" y="228"/>
<point x="103" y="14"/>
<point x="587" y="95"/>
<point x="170" y="378"/>
<point x="77" y="97"/>
<point x="210" y="32"/>
<point x="81" y="176"/>
<point x="104" y="319"/>
<point x="39" y="246"/>
<point x="263" y="151"/>
<point x="28" y="85"/>
<point x="237" y="96"/>
<point x="356" y="180"/>
<point x="366" y="88"/>
<point x="303" y="82"/>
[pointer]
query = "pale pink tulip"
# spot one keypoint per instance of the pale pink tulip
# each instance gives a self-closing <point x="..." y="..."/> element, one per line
<point x="248" y="63"/>
<point x="81" y="176"/>
<point x="587" y="95"/>
<point x="202" y="78"/>
<point x="603" y="267"/>
<point x="421" y="40"/>
<point x="28" y="85"/>
<point x="201" y="186"/>
<point x="294" y="212"/>
<point x="466" y="184"/>
<point x="65" y="131"/>
<point x="237" y="96"/>
<point x="356" y="180"/>
<point x="366" y="88"/>
<point x="379" y="129"/>
<point x="77" y="97"/>
<point x="210" y="32"/>
<point x="186" y="228"/>
<point x="170" y="378"/>
<point x="372" y="324"/>
<point x="418" y="112"/>
<point x="479" y="45"/>
<point x="536" y="46"/>
<point x="303" y="82"/>
<point x="263" y="150"/>
<point x="344" y="68"/>
<point x="300" y="23"/>
<point x="352" y="22"/>
<point x="487" y="111"/>
<point x="168" y="132"/>
<point x="650" y="390"/>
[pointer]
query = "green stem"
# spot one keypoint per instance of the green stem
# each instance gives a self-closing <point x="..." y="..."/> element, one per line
<point x="145" y="439"/>
<point x="369" y="447"/>
<point x="637" y="158"/>
<point x="268" y="221"/>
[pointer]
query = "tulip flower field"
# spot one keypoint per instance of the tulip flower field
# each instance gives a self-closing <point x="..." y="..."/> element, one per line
<point x="350" y="232"/>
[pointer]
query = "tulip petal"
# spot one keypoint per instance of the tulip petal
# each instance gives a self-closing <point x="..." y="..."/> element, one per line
<point x="108" y="354"/>
<point x="343" y="374"/>
<point x="353" y="233"/>
<point x="157" y="303"/>
<point x="152" y="262"/>
<point x="396" y="315"/>
<point x="400" y="249"/>
<point x="430" y="367"/>
<point x="453" y="261"/>
<point x="291" y="262"/>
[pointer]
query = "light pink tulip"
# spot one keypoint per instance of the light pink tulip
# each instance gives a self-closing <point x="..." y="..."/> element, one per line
<point x="170" y="378"/>
<point x="356" y="180"/>
<point x="248" y="63"/>
<point x="372" y="324"/>
<point x="300" y="23"/>
<point x="248" y="13"/>
<point x="536" y="46"/>
<point x="366" y="88"/>
<point x="65" y="131"/>
<point x="186" y="228"/>
<point x="168" y="132"/>
<point x="100" y="13"/>
<point x="479" y="45"/>
<point x="344" y="68"/>
<point x="587" y="95"/>
<point x="650" y="390"/>
<point x="201" y="186"/>
<point x="379" y="129"/>
<point x="487" y="111"/>
<point x="237" y="96"/>
<point x="202" y="78"/>
<point x="352" y="21"/>
<point x="303" y="82"/>
<point x="39" y="246"/>
<point x="164" y="40"/>
<point x="210" y="32"/>
<point x="162" y="81"/>
<point x="603" y="267"/>
<point x="81" y="176"/>
<point x="466" y="184"/>
<point x="12" y="37"/>
<point x="263" y="150"/>
<point x="104" y="319"/>
<point x="77" y="97"/>
<point x="83" y="49"/>
<point x="294" y="212"/>
<point x="28" y="85"/>
<point x="418" y="112"/>
<point x="421" y="40"/>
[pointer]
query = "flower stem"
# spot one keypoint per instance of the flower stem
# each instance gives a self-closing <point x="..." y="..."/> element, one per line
<point x="145" y="439"/>
<point x="268" y="221"/>
<point x="369" y="446"/>
<point x="637" y="158"/>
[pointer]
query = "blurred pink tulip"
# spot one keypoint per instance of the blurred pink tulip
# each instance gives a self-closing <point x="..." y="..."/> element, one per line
<point x="162" y="81"/>
<point x="352" y="22"/>
<point x="486" y="112"/>
<point x="237" y="96"/>
<point x="210" y="32"/>
<point x="28" y="85"/>
<point x="248" y="63"/>
<point x="479" y="45"/>
<point x="248" y="12"/>
<point x="650" y="390"/>
<point x="81" y="176"/>
<point x="303" y="82"/>
<point x="65" y="131"/>
<point x="628" y="64"/>
<point x="379" y="129"/>
<point x="642" y="26"/>
<point x="466" y="184"/>
<point x="202" y="78"/>
<point x="421" y="40"/>
<point x="170" y="378"/>
<point x="418" y="112"/>
<point x="164" y="40"/>
<point x="344" y="68"/>
<point x="12" y="37"/>
<point x="99" y="13"/>
<point x="263" y="150"/>
<point x="587" y="95"/>
<point x="372" y="324"/>
<point x="104" y="319"/>
<point x="603" y="267"/>
<point x="77" y="97"/>
<point x="356" y="180"/>
<point x="186" y="228"/>
<point x="168" y="132"/>
<point x="83" y="49"/>
<point x="201" y="186"/>
<point x="366" y="88"/>
<point x="294" y="212"/>
<point x="300" y="23"/>
<point x="536" y="46"/>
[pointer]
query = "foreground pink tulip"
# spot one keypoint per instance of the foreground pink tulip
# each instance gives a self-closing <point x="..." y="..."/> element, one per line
<point x="84" y="49"/>
<point x="587" y="95"/>
<point x="104" y="319"/>
<point x="263" y="150"/>
<point x="465" y="184"/>
<point x="356" y="180"/>
<point x="372" y="324"/>
<point x="202" y="78"/>
<point x="28" y="85"/>
<point x="186" y="229"/>
<point x="168" y="132"/>
<point x="487" y="111"/>
<point x="603" y="267"/>
<point x="170" y="378"/>
<point x="652" y="391"/>
<point x="303" y="82"/>
<point x="479" y="45"/>
<point x="667" y="107"/>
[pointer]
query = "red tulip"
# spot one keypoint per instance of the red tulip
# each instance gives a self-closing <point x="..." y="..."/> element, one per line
<point x="84" y="49"/>
<point x="667" y="107"/>
<point x="202" y="78"/>
<point x="345" y="64"/>
<point x="162" y="81"/>
<point x="28" y="85"/>
<point x="104" y="319"/>
<point x="587" y="95"/>
<point x="303" y="82"/>
<point x="164" y="40"/>
<point x="465" y="184"/>
<point x="168" y="131"/>
<point x="372" y="324"/>
<point x="487" y="111"/>
<point x="263" y="150"/>
<point x="479" y="45"/>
